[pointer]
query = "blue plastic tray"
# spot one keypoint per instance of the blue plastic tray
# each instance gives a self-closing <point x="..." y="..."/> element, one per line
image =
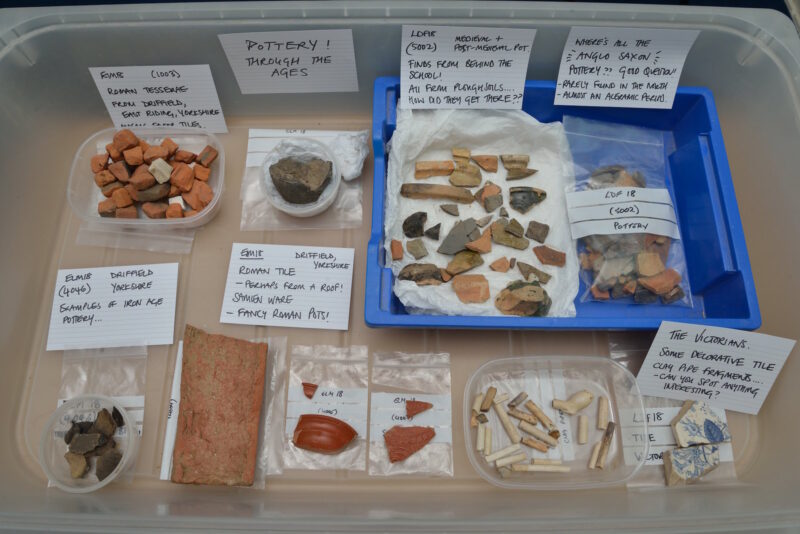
<point x="699" y="179"/>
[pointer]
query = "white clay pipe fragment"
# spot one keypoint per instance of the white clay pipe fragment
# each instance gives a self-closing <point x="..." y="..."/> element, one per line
<point x="593" y="457"/>
<point x="545" y="461"/>
<point x="519" y="399"/>
<point x="542" y="417"/>
<point x="510" y="460"/>
<point x="480" y="439"/>
<point x="583" y="429"/>
<point x="605" y="445"/>
<point x="488" y="398"/>
<point x="577" y="402"/>
<point x="500" y="398"/>
<point x="602" y="413"/>
<point x="535" y="444"/>
<point x="511" y="449"/>
<point x="473" y="420"/>
<point x="522" y="416"/>
<point x="513" y="435"/>
<point x="487" y="443"/>
<point x="476" y="404"/>
<point x="541" y="468"/>
<point x="538" y="434"/>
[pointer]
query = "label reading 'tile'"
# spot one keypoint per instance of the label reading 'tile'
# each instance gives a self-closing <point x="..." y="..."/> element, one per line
<point x="278" y="285"/>
<point x="453" y="67"/>
<point x="166" y="96"/>
<point x="622" y="67"/>
<point x="307" y="61"/>
<point x="107" y="307"/>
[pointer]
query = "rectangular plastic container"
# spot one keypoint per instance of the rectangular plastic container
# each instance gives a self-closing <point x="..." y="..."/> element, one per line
<point x="699" y="181"/>
<point x="83" y="194"/>
<point x="748" y="59"/>
<point x="536" y="376"/>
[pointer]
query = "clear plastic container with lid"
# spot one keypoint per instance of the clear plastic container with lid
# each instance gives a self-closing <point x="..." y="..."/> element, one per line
<point x="84" y="195"/>
<point x="558" y="377"/>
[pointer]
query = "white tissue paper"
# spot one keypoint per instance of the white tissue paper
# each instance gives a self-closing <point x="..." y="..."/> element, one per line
<point x="431" y="135"/>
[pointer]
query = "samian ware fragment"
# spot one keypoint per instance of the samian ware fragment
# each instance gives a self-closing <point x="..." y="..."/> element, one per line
<point x="322" y="433"/>
<point x="309" y="389"/>
<point x="426" y="169"/>
<point x="538" y="434"/>
<point x="685" y="466"/>
<point x="471" y="288"/>
<point x="698" y="424"/>
<point x="414" y="407"/>
<point x="508" y="426"/>
<point x="547" y="423"/>
<point x="403" y="441"/>
<point x="577" y="402"/>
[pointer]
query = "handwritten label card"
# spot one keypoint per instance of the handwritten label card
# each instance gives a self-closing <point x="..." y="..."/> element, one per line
<point x="113" y="307"/>
<point x="621" y="210"/>
<point x="307" y="61"/>
<point x="622" y="67"/>
<point x="278" y="285"/>
<point x="168" y="96"/>
<point x="453" y="67"/>
<point x="728" y="368"/>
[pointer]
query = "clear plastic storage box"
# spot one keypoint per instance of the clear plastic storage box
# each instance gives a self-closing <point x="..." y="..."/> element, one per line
<point x="748" y="59"/>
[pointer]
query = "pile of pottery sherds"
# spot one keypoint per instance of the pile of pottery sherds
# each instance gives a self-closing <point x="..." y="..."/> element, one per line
<point x="468" y="239"/>
<point x="627" y="265"/>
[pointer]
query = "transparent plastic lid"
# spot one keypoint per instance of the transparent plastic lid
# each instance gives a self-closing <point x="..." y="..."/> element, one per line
<point x="565" y="466"/>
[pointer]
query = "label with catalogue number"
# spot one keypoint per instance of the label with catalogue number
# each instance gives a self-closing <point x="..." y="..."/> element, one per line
<point x="621" y="210"/>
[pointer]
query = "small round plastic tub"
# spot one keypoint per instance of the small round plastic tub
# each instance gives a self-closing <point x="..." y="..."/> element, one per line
<point x="84" y="195"/>
<point x="303" y="149"/>
<point x="544" y="379"/>
<point x="52" y="446"/>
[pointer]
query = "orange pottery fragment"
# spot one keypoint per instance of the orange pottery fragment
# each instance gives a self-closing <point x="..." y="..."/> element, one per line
<point x="322" y="433"/>
<point x="413" y="407"/>
<point x="309" y="389"/>
<point x="403" y="441"/>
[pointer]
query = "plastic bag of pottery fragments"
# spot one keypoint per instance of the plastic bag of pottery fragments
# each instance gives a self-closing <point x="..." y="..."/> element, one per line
<point x="326" y="408"/>
<point x="303" y="179"/>
<point x="629" y="349"/>
<point x="622" y="215"/>
<point x="410" y="430"/>
<point x="118" y="373"/>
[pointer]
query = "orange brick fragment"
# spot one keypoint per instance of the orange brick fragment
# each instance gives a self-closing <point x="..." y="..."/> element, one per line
<point x="202" y="173"/>
<point x="133" y="156"/>
<point x="174" y="211"/>
<point x="397" y="249"/>
<point x="128" y="212"/>
<point x="199" y="196"/>
<point x="99" y="162"/>
<point x="125" y="139"/>
<point x="184" y="156"/>
<point x="182" y="177"/>
<point x="122" y="198"/>
<point x="170" y="145"/>
<point x="155" y="152"/>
